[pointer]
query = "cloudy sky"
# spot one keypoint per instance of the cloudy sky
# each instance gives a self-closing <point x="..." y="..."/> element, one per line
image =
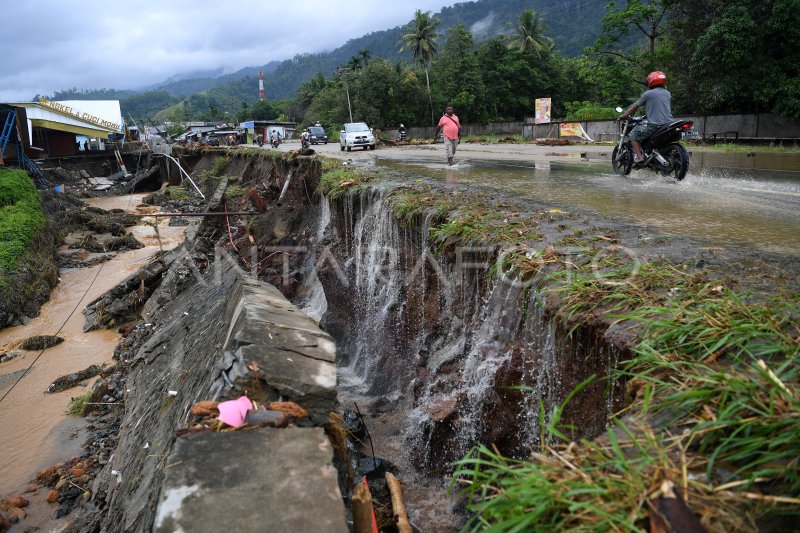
<point x="51" y="45"/>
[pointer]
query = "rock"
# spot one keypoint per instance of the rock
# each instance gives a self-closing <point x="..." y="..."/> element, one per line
<point x="30" y="489"/>
<point x="77" y="471"/>
<point x="16" y="501"/>
<point x="442" y="409"/>
<point x="15" y="514"/>
<point x="265" y="417"/>
<point x="5" y="525"/>
<point x="52" y="496"/>
<point x="40" y="342"/>
<point x="9" y="356"/>
<point x="71" y="380"/>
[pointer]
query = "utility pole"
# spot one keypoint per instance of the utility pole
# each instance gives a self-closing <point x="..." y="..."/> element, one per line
<point x="347" y="89"/>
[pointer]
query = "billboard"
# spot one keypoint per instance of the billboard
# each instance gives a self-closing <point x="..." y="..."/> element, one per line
<point x="542" y="115"/>
<point x="573" y="129"/>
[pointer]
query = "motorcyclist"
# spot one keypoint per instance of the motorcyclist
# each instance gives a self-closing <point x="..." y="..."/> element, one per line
<point x="304" y="138"/>
<point x="656" y="99"/>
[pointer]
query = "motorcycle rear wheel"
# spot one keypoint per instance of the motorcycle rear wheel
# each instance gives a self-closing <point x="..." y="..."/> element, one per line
<point x="622" y="166"/>
<point x="678" y="158"/>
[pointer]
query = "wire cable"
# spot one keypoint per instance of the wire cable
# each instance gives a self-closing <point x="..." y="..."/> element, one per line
<point x="25" y="373"/>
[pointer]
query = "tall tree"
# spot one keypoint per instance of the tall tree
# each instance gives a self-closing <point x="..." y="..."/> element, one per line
<point x="422" y="41"/>
<point x="529" y="35"/>
<point x="458" y="77"/>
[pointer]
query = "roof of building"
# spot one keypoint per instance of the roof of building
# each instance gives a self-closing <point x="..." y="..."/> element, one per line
<point x="92" y="118"/>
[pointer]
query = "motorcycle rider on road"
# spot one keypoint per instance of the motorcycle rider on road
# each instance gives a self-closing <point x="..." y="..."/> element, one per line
<point x="656" y="99"/>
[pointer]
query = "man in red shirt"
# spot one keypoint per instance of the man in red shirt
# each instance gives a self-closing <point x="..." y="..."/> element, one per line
<point x="452" y="132"/>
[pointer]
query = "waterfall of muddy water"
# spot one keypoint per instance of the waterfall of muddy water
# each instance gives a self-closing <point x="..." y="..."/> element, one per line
<point x="429" y="355"/>
<point x="36" y="432"/>
<point x="314" y="303"/>
<point x="377" y="283"/>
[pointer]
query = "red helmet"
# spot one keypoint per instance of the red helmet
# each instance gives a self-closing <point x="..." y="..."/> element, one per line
<point x="656" y="79"/>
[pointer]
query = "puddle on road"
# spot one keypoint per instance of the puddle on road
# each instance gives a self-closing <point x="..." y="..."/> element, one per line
<point x="757" y="209"/>
<point x="36" y="433"/>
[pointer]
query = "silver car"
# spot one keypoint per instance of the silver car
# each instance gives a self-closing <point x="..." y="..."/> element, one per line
<point x="356" y="134"/>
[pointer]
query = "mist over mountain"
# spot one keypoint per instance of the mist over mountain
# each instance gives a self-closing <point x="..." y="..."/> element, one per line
<point x="572" y="24"/>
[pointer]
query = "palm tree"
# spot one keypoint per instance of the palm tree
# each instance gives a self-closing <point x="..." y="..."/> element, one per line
<point x="529" y="35"/>
<point x="421" y="40"/>
<point x="365" y="56"/>
<point x="354" y="63"/>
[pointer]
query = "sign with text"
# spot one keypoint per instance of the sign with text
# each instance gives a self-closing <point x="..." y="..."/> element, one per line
<point x="86" y="117"/>
<point x="542" y="115"/>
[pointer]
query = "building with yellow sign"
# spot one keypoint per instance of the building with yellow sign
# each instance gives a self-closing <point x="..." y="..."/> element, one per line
<point x="53" y="129"/>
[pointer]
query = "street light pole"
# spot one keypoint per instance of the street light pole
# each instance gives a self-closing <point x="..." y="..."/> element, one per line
<point x="347" y="89"/>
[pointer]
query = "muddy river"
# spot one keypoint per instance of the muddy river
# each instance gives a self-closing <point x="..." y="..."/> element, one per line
<point x="721" y="201"/>
<point x="36" y="432"/>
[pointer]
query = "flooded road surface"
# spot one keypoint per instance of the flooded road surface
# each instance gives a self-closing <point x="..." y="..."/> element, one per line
<point x="34" y="430"/>
<point x="721" y="203"/>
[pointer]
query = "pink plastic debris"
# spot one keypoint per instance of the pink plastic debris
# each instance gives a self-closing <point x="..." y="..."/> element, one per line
<point x="233" y="412"/>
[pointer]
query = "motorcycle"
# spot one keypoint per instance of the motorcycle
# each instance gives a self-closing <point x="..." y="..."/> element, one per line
<point x="662" y="152"/>
<point x="276" y="141"/>
<point x="304" y="142"/>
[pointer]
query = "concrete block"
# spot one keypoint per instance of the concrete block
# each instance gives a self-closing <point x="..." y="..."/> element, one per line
<point x="276" y="480"/>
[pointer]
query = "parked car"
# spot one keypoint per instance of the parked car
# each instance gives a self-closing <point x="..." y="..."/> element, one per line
<point x="317" y="135"/>
<point x="356" y="134"/>
<point x="212" y="140"/>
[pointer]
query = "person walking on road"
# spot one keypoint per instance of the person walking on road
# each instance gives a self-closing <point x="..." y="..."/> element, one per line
<point x="452" y="132"/>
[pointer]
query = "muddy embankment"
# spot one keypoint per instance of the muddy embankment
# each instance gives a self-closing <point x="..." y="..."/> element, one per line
<point x="93" y="231"/>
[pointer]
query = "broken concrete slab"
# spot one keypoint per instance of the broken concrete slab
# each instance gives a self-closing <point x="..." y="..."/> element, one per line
<point x="265" y="480"/>
<point x="293" y="357"/>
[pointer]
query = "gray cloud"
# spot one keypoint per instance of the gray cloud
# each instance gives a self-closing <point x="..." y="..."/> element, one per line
<point x="52" y="45"/>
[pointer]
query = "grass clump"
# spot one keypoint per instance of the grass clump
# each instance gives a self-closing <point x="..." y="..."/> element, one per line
<point x="714" y="416"/>
<point x="21" y="218"/>
<point x="234" y="191"/>
<point x="219" y="165"/>
<point x="338" y="178"/>
<point x="77" y="405"/>
<point x="176" y="192"/>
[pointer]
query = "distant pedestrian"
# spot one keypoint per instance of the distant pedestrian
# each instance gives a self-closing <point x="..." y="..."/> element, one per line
<point x="86" y="145"/>
<point x="452" y="132"/>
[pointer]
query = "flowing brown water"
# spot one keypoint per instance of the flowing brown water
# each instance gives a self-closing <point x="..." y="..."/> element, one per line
<point x="35" y="432"/>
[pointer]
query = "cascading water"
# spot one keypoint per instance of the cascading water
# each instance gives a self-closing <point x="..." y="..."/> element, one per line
<point x="315" y="303"/>
<point x="377" y="280"/>
<point x="460" y="358"/>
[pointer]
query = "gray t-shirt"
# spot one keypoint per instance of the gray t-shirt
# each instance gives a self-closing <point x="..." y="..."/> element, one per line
<point x="657" y="103"/>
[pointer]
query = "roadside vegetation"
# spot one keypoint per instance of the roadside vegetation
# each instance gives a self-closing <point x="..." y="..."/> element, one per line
<point x="711" y="413"/>
<point x="21" y="219"/>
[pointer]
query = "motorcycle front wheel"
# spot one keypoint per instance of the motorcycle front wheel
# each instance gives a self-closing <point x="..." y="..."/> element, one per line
<point x="678" y="158"/>
<point x="622" y="160"/>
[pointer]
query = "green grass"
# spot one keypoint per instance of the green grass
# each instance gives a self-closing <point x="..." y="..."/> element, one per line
<point x="747" y="148"/>
<point x="234" y="191"/>
<point x="494" y="139"/>
<point x="338" y="178"/>
<point x="176" y="192"/>
<point x="77" y="405"/>
<point x="21" y="218"/>
<point x="219" y="165"/>
<point x="715" y="410"/>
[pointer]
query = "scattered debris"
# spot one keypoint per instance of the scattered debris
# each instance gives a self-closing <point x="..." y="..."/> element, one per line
<point x="553" y="142"/>
<point x="71" y="380"/>
<point x="40" y="342"/>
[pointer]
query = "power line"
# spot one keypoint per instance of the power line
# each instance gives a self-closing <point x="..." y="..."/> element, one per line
<point x="57" y="332"/>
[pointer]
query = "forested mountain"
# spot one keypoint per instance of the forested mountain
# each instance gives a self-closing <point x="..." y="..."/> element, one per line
<point x="573" y="25"/>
